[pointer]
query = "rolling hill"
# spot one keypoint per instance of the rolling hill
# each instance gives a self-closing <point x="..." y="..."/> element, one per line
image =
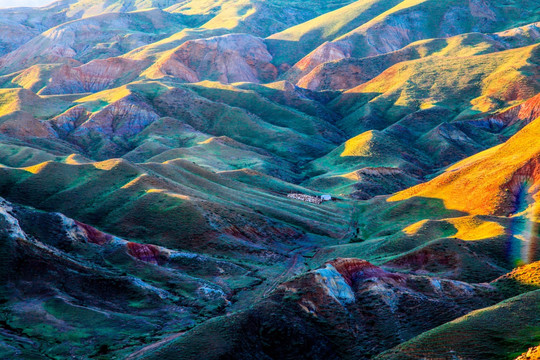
<point x="270" y="179"/>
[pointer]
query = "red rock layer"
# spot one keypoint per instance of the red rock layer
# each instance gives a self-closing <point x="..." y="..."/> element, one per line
<point x="525" y="112"/>
<point x="94" y="235"/>
<point x="228" y="58"/>
<point x="144" y="252"/>
<point x="97" y="75"/>
<point x="354" y="270"/>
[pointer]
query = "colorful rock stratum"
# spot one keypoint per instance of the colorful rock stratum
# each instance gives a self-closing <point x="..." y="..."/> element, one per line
<point x="163" y="166"/>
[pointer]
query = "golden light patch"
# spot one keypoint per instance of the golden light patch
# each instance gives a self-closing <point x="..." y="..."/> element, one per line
<point x="415" y="228"/>
<point x="9" y="101"/>
<point x="168" y="193"/>
<point x="107" y="164"/>
<point x="471" y="228"/>
<point x="427" y="105"/>
<point x="207" y="141"/>
<point x="351" y="176"/>
<point x="28" y="78"/>
<point x="35" y="169"/>
<point x="74" y="159"/>
<point x="108" y="96"/>
<point x="135" y="181"/>
<point x="359" y="145"/>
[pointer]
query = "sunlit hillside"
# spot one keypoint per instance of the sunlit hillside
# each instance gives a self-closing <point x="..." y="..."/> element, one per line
<point x="270" y="179"/>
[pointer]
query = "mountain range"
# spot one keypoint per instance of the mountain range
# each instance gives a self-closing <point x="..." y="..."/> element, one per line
<point x="149" y="150"/>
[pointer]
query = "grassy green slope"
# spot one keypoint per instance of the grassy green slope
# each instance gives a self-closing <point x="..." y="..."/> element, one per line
<point x="466" y="86"/>
<point x="289" y="45"/>
<point x="350" y="72"/>
<point x="175" y="204"/>
<point x="475" y="221"/>
<point x="118" y="34"/>
<point x="413" y="20"/>
<point x="503" y="331"/>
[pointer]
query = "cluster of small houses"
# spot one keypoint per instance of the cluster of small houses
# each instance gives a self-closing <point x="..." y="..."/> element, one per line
<point x="310" y="198"/>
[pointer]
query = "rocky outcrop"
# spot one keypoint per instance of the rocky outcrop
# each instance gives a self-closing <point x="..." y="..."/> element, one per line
<point x="93" y="235"/>
<point x="522" y="189"/>
<point x="523" y="114"/>
<point x="105" y="133"/>
<point x="113" y="125"/>
<point x="70" y="119"/>
<point x="95" y="76"/>
<point x="327" y="52"/>
<point x="349" y="72"/>
<point x="228" y="58"/>
<point x="83" y="40"/>
<point x="145" y="252"/>
<point x="357" y="270"/>
<point x="58" y="272"/>
<point x="348" y="308"/>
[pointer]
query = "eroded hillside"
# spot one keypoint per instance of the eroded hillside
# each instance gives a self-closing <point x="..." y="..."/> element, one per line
<point x="148" y="148"/>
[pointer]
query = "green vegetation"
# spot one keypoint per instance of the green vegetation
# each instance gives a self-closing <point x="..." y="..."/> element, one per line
<point x="146" y="212"/>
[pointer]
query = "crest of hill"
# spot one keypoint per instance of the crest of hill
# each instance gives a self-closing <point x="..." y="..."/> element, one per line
<point x="206" y="212"/>
<point x="289" y="45"/>
<point x="88" y="8"/>
<point x="257" y="17"/>
<point x="413" y="20"/>
<point x="350" y="72"/>
<point x="465" y="86"/>
<point x="84" y="40"/>
<point x="512" y="327"/>
<point x="493" y="179"/>
<point x="227" y="58"/>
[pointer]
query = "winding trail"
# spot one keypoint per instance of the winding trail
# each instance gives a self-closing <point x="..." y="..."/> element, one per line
<point x="153" y="346"/>
<point x="279" y="279"/>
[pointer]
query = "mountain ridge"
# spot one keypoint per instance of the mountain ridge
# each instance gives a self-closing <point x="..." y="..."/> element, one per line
<point x="270" y="179"/>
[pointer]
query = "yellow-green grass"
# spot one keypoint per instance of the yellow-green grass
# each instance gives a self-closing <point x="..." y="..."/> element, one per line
<point x="161" y="48"/>
<point x="370" y="149"/>
<point x="257" y="17"/>
<point x="99" y="100"/>
<point x="13" y="100"/>
<point x="289" y="45"/>
<point x="520" y="280"/>
<point x="176" y="204"/>
<point x="465" y="85"/>
<point x="431" y="19"/>
<point x="483" y="183"/>
<point x="33" y="78"/>
<point x="333" y="74"/>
